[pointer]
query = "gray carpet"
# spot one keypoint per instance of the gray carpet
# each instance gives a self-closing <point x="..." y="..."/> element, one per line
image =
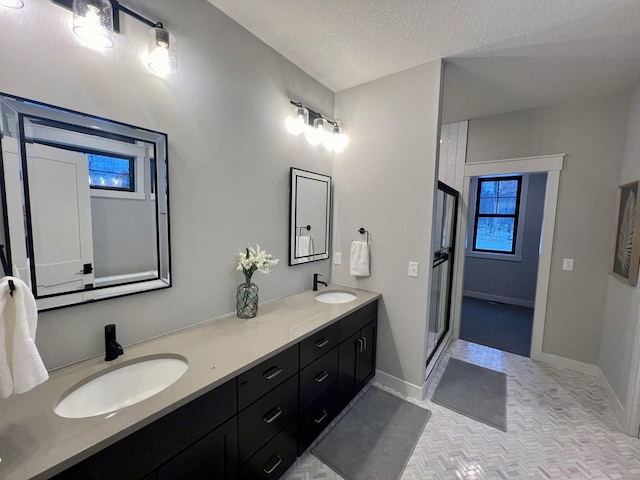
<point x="475" y="392"/>
<point x="375" y="439"/>
<point x="497" y="325"/>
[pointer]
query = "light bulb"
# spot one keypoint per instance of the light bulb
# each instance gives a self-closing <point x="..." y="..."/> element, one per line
<point x="339" y="139"/>
<point x="12" y="3"/>
<point x="317" y="133"/>
<point x="162" y="55"/>
<point x="296" y="124"/>
<point x="93" y="22"/>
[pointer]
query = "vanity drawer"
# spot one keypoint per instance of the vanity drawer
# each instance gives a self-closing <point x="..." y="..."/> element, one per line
<point x="318" y="344"/>
<point x="266" y="417"/>
<point x="262" y="378"/>
<point x="317" y="377"/>
<point x="357" y="320"/>
<point x="272" y="460"/>
<point x="316" y="417"/>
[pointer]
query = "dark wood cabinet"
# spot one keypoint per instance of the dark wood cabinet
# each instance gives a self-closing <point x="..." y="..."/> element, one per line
<point x="253" y="426"/>
<point x="143" y="452"/>
<point x="356" y="362"/>
<point x="215" y="456"/>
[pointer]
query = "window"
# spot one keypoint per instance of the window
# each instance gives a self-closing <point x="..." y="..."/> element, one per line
<point x="111" y="173"/>
<point x="496" y="214"/>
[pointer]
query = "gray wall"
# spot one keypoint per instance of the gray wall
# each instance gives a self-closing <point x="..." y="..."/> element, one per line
<point x="229" y="154"/>
<point x="622" y="309"/>
<point x="385" y="182"/>
<point x="592" y="136"/>
<point x="513" y="280"/>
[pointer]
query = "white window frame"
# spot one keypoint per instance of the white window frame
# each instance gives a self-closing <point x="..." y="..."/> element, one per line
<point x="473" y="198"/>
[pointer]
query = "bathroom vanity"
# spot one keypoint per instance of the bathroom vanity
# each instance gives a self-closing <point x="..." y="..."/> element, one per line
<point x="256" y="394"/>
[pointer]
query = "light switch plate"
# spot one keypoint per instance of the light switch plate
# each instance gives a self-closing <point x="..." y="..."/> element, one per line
<point x="567" y="264"/>
<point x="413" y="269"/>
<point x="337" y="258"/>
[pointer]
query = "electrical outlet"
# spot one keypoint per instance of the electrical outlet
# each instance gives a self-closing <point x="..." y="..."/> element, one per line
<point x="337" y="258"/>
<point x="413" y="269"/>
<point x="567" y="264"/>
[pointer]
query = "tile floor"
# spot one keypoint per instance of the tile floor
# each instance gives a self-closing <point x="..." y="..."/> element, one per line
<point x="559" y="425"/>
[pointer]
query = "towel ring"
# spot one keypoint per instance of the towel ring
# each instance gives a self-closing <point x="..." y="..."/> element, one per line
<point x="362" y="231"/>
<point x="308" y="227"/>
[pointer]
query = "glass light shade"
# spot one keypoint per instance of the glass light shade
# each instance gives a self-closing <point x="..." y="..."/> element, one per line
<point x="12" y="3"/>
<point x="317" y="133"/>
<point x="339" y="139"/>
<point x="295" y="124"/>
<point x="162" y="52"/>
<point x="93" y="22"/>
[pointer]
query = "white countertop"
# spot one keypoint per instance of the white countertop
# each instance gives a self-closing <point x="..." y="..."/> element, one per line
<point x="37" y="443"/>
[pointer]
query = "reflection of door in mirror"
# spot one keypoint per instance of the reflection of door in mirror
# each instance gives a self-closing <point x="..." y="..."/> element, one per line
<point x="60" y="213"/>
<point x="86" y="217"/>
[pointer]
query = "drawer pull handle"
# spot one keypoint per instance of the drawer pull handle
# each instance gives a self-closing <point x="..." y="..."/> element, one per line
<point x="321" y="419"/>
<point x="322" y="343"/>
<point x="275" y="461"/>
<point x="272" y="373"/>
<point x="364" y="339"/>
<point x="321" y="377"/>
<point x="359" y="345"/>
<point x="272" y="415"/>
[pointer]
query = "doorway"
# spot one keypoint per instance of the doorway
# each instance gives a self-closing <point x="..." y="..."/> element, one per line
<point x="504" y="226"/>
<point x="551" y="165"/>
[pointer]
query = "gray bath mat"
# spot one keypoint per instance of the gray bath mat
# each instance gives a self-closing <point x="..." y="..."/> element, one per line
<point x="375" y="439"/>
<point x="475" y="392"/>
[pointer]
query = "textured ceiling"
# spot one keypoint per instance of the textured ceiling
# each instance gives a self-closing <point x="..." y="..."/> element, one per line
<point x="538" y="50"/>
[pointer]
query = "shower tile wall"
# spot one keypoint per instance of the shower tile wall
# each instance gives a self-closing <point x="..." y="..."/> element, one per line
<point x="453" y="153"/>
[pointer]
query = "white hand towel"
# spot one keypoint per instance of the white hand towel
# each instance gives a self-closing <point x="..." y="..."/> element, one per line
<point x="21" y="367"/>
<point x="305" y="247"/>
<point x="359" y="259"/>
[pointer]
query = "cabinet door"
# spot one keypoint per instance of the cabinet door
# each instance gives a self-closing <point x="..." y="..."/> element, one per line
<point x="347" y="375"/>
<point x="367" y="355"/>
<point x="215" y="456"/>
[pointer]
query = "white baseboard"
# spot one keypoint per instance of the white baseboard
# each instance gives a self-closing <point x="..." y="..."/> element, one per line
<point x="614" y="401"/>
<point x="563" y="362"/>
<point x="499" y="298"/>
<point x="399" y="385"/>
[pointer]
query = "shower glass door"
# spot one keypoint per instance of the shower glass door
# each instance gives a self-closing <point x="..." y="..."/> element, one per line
<point x="444" y="227"/>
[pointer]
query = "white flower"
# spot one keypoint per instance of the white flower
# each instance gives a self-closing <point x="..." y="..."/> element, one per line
<point x="255" y="259"/>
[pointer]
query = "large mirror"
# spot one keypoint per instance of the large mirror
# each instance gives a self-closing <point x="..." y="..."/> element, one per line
<point x="85" y="204"/>
<point x="309" y="217"/>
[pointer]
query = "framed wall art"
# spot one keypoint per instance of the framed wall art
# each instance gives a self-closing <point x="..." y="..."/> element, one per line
<point x="625" y="259"/>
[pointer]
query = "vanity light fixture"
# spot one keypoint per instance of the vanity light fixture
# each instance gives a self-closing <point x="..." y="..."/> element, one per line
<point x="93" y="22"/>
<point x="317" y="129"/>
<point x="296" y="123"/>
<point x="96" y="20"/>
<point x="162" y="55"/>
<point x="12" y="3"/>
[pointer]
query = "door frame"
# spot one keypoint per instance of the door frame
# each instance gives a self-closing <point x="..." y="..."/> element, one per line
<point x="552" y="166"/>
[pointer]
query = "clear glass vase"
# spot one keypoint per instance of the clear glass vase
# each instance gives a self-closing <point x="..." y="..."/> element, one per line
<point x="247" y="300"/>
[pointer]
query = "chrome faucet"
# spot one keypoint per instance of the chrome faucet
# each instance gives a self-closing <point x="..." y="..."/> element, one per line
<point x="112" y="348"/>
<point x="316" y="282"/>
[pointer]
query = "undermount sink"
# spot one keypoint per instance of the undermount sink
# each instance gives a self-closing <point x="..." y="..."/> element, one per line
<point x="122" y="386"/>
<point x="335" y="297"/>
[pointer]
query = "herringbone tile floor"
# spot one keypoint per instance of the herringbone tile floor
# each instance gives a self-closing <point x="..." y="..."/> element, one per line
<point x="559" y="423"/>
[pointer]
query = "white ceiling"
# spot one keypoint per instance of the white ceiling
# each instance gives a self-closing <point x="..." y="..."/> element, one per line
<point x="513" y="53"/>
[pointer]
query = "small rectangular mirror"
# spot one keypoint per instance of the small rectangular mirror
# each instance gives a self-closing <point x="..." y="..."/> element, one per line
<point x="87" y="209"/>
<point x="309" y="217"/>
